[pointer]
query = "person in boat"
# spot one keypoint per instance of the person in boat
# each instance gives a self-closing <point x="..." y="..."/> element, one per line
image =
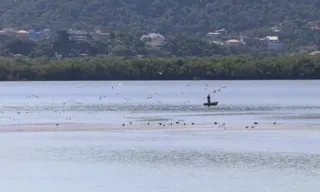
<point x="209" y="99"/>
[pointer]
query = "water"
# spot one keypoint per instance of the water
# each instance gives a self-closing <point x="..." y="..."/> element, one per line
<point x="160" y="160"/>
<point x="267" y="101"/>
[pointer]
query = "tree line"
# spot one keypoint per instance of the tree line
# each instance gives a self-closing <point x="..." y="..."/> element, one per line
<point x="102" y="67"/>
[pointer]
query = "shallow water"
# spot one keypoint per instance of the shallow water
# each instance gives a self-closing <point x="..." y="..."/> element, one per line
<point x="239" y="102"/>
<point x="161" y="161"/>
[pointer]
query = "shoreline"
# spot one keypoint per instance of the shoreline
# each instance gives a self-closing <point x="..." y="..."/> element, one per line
<point x="83" y="127"/>
<point x="82" y="69"/>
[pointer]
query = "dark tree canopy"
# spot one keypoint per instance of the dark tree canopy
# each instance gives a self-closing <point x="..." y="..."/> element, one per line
<point x="163" y="16"/>
<point x="188" y="68"/>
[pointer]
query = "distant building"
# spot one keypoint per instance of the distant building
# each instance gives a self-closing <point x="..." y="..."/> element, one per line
<point x="99" y="35"/>
<point x="243" y="39"/>
<point x="47" y="34"/>
<point x="275" y="29"/>
<point x="315" y="53"/>
<point x="213" y="34"/>
<point x="221" y="31"/>
<point x="78" y="35"/>
<point x="259" y="39"/>
<point x="9" y="31"/>
<point x="273" y="42"/>
<point x="154" y="40"/>
<point x="214" y="37"/>
<point x="314" y="25"/>
<point x="36" y="35"/>
<point x="83" y="55"/>
<point x="22" y="34"/>
<point x="234" y="42"/>
<point x="216" y="42"/>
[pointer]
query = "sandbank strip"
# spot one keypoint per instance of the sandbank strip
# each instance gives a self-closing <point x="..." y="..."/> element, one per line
<point x="69" y="127"/>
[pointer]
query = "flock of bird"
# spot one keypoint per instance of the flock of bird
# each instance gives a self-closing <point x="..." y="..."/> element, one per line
<point x="216" y="124"/>
<point x="152" y="96"/>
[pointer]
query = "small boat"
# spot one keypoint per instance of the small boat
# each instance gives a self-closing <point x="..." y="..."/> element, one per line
<point x="211" y="103"/>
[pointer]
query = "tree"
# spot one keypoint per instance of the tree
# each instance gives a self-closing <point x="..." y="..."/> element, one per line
<point x="18" y="46"/>
<point x="61" y="44"/>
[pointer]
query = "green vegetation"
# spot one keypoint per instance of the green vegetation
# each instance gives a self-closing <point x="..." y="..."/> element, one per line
<point x="187" y="54"/>
<point x="122" y="43"/>
<point x="171" y="17"/>
<point x="118" y="68"/>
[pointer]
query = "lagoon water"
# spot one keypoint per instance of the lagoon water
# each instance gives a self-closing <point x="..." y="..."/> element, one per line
<point x="160" y="160"/>
<point x="46" y="102"/>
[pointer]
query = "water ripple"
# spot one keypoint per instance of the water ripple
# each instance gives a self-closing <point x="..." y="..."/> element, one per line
<point x="188" y="158"/>
<point x="159" y="108"/>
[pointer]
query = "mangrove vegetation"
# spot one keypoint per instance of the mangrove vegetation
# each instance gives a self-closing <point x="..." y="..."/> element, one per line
<point x="103" y="67"/>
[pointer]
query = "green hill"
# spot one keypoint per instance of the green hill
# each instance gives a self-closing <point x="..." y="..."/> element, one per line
<point x="164" y="16"/>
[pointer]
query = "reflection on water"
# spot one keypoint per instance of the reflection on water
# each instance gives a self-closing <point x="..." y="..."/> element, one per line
<point x="185" y="157"/>
<point x="159" y="108"/>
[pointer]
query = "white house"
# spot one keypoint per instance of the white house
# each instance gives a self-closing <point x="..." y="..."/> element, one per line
<point x="99" y="35"/>
<point x="315" y="53"/>
<point x="78" y="35"/>
<point x="273" y="42"/>
<point x="154" y="39"/>
<point x="22" y="33"/>
<point x="234" y="42"/>
<point x="47" y="33"/>
<point x="213" y="34"/>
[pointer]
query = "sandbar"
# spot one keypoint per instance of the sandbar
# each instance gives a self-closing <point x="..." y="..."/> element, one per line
<point x="69" y="127"/>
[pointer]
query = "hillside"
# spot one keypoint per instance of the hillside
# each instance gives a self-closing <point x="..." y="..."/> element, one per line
<point x="164" y="16"/>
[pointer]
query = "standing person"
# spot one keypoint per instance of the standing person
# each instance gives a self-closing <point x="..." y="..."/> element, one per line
<point x="209" y="99"/>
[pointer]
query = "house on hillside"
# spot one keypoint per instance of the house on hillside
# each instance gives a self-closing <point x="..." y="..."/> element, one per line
<point x="36" y="35"/>
<point x="235" y="42"/>
<point x="154" y="40"/>
<point x="100" y="36"/>
<point x="221" y="31"/>
<point x="275" y="29"/>
<point x="273" y="42"/>
<point x="213" y="35"/>
<point x="216" y="42"/>
<point x="315" y="53"/>
<point x="9" y="31"/>
<point x="314" y="25"/>
<point x="47" y="33"/>
<point x="78" y="35"/>
<point x="22" y="34"/>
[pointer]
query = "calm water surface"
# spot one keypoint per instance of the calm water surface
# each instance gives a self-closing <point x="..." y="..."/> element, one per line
<point x="240" y="101"/>
<point x="177" y="161"/>
<point x="160" y="161"/>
